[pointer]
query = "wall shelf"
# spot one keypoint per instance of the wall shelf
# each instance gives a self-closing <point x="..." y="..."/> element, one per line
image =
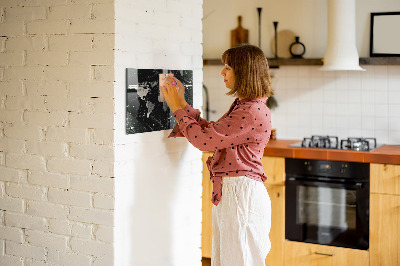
<point x="274" y="63"/>
<point x="380" y="61"/>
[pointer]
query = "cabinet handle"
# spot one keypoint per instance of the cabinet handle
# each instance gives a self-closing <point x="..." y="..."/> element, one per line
<point x="324" y="254"/>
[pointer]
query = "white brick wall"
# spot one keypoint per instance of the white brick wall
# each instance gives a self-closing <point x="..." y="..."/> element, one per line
<point x="11" y="233"/>
<point x="56" y="132"/>
<point x="25" y="251"/>
<point x="156" y="177"/>
<point x="68" y="258"/>
<point x="47" y="210"/>
<point x="17" y="220"/>
<point x="62" y="66"/>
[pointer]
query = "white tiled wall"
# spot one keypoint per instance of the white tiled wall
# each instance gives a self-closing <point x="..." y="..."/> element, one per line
<point x="311" y="102"/>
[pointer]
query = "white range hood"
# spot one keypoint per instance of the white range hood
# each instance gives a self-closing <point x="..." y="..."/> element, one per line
<point x="341" y="51"/>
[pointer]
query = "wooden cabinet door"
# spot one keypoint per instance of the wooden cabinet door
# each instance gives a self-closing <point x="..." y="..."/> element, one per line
<point x="384" y="236"/>
<point x="277" y="233"/>
<point x="304" y="254"/>
<point x="274" y="168"/>
<point x="385" y="178"/>
<point x="206" y="226"/>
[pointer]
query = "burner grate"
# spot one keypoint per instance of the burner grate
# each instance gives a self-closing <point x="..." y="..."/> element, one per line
<point x="332" y="142"/>
<point x="358" y="144"/>
<point x="327" y="142"/>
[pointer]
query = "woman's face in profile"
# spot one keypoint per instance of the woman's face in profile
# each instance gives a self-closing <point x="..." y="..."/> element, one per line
<point x="229" y="76"/>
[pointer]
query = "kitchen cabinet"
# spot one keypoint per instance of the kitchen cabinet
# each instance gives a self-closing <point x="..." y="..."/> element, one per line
<point x="206" y="225"/>
<point x="277" y="233"/>
<point x="305" y="254"/>
<point x="385" y="178"/>
<point x="385" y="214"/>
<point x="274" y="168"/>
<point x="385" y="230"/>
<point x="384" y="247"/>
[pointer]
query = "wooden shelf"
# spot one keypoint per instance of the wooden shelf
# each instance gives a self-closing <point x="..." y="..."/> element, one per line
<point x="274" y="63"/>
<point x="380" y="61"/>
<point x="212" y="62"/>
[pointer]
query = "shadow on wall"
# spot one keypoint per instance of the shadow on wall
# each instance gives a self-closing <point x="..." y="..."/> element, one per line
<point x="152" y="224"/>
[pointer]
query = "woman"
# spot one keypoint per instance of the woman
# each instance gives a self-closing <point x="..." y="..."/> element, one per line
<point x="242" y="208"/>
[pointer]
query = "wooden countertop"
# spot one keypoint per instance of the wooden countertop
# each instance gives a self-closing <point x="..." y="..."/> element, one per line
<point x="389" y="154"/>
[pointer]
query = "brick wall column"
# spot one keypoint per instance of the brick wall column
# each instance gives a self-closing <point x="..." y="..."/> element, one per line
<point x="56" y="132"/>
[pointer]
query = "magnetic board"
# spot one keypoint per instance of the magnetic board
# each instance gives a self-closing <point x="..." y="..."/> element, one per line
<point x="146" y="109"/>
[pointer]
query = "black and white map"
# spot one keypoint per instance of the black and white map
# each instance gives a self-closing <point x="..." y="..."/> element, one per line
<point x="146" y="109"/>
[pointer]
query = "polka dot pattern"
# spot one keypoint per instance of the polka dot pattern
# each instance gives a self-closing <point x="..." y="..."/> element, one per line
<point x="238" y="139"/>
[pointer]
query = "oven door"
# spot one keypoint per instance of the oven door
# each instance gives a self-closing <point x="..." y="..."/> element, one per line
<point x="327" y="213"/>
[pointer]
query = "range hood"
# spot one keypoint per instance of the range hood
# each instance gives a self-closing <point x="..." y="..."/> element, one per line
<point x="341" y="51"/>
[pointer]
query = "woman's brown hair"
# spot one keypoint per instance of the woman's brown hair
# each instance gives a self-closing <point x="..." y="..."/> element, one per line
<point x="250" y="66"/>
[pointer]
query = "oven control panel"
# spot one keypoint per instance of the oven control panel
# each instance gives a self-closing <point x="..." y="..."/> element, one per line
<point x="325" y="167"/>
<point x="338" y="169"/>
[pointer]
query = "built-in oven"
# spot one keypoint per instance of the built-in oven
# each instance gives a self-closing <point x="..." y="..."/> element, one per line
<point x="327" y="202"/>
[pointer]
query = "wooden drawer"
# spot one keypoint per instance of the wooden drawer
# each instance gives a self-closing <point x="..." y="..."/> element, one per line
<point x="385" y="178"/>
<point x="304" y="254"/>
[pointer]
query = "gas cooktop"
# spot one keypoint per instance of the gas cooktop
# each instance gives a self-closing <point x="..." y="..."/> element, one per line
<point x="332" y="142"/>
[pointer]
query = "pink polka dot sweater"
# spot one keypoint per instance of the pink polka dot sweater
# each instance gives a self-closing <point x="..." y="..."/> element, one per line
<point x="238" y="139"/>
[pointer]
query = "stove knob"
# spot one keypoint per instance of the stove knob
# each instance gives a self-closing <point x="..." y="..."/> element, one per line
<point x="308" y="166"/>
<point x="343" y="168"/>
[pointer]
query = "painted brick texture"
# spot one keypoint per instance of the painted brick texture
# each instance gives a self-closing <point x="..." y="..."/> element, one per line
<point x="56" y="132"/>
<point x="62" y="135"/>
<point x="158" y="180"/>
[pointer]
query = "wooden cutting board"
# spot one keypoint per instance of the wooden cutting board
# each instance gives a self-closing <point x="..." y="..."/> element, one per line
<point x="239" y="35"/>
<point x="285" y="39"/>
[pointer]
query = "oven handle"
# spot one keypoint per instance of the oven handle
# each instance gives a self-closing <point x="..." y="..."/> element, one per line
<point x="357" y="185"/>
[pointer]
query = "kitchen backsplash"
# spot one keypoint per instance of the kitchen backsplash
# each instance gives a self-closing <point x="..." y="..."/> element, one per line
<point x="314" y="102"/>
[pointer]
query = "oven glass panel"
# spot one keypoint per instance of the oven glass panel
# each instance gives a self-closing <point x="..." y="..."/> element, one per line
<point x="326" y="207"/>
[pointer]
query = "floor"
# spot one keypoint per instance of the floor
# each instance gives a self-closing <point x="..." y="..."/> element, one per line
<point x="206" y="261"/>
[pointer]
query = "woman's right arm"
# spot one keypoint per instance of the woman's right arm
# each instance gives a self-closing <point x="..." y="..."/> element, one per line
<point x="236" y="129"/>
<point x="193" y="113"/>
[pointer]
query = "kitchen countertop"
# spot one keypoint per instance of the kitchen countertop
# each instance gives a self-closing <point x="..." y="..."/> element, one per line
<point x="389" y="154"/>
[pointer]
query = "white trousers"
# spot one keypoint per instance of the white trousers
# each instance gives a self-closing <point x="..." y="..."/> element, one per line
<point x="241" y="223"/>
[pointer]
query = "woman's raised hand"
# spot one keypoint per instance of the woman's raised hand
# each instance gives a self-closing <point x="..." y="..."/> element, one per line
<point x="174" y="93"/>
<point x="181" y="91"/>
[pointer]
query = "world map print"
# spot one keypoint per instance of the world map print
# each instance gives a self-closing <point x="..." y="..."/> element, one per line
<point x="146" y="109"/>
